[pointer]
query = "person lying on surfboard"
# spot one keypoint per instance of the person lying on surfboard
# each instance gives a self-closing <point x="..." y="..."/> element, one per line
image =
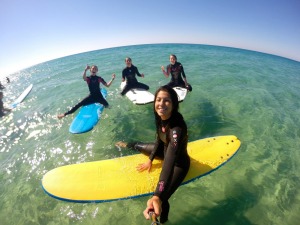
<point x="171" y="146"/>
<point x="128" y="74"/>
<point x="95" y="95"/>
<point x="177" y="72"/>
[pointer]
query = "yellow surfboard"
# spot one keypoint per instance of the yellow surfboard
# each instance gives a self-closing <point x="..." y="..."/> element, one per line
<point x="115" y="179"/>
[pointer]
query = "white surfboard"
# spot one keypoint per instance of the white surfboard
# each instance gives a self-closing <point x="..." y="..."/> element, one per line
<point x="181" y="92"/>
<point x="21" y="97"/>
<point x="138" y="96"/>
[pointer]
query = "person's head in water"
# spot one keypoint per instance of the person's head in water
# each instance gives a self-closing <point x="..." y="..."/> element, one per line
<point x="165" y="103"/>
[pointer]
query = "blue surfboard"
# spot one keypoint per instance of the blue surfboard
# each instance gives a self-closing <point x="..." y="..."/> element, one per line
<point x="87" y="117"/>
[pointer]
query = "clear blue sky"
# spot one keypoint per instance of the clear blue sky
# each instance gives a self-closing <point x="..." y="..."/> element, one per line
<point x="34" y="31"/>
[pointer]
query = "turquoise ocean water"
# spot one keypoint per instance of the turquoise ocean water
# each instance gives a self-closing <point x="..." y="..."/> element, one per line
<point x="252" y="95"/>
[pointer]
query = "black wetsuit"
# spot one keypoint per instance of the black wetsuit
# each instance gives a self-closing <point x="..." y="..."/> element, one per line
<point x="1" y="108"/>
<point x="171" y="146"/>
<point x="176" y="72"/>
<point x="129" y="73"/>
<point x="95" y="94"/>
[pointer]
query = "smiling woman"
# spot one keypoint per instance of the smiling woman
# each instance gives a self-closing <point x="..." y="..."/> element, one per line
<point x="163" y="105"/>
<point x="95" y="95"/>
<point x="171" y="146"/>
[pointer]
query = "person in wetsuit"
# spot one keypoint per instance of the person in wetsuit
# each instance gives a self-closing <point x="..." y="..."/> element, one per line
<point x="128" y="74"/>
<point x="170" y="146"/>
<point x="95" y="95"/>
<point x="2" y="109"/>
<point x="178" y="77"/>
<point x="1" y="86"/>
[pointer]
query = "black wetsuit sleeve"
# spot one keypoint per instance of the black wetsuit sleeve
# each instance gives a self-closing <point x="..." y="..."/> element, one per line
<point x="1" y="108"/>
<point x="153" y="153"/>
<point x="169" y="69"/>
<point x="101" y="80"/>
<point x="137" y="71"/>
<point x="123" y="74"/>
<point x="171" y="155"/>
<point x="182" y="71"/>
<point x="88" y="79"/>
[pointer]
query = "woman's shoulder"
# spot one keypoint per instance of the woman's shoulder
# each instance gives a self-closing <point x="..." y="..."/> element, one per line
<point x="177" y="121"/>
<point x="100" y="78"/>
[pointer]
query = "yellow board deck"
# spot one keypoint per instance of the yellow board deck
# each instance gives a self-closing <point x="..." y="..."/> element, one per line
<point x="115" y="179"/>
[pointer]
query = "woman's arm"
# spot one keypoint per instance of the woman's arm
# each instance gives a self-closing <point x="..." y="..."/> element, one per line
<point x="169" y="161"/>
<point x="137" y="72"/>
<point x="110" y="82"/>
<point x="84" y="73"/>
<point x="123" y="75"/>
<point x="166" y="73"/>
<point x="147" y="165"/>
<point x="184" y="76"/>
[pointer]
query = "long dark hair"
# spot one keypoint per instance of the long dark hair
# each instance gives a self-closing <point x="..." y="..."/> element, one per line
<point x="175" y="104"/>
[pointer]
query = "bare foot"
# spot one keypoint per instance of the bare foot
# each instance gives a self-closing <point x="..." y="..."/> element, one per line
<point x="121" y="144"/>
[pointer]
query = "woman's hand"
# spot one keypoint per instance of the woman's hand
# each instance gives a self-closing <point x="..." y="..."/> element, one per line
<point x="87" y="67"/>
<point x="166" y="73"/>
<point x="153" y="204"/>
<point x="144" y="166"/>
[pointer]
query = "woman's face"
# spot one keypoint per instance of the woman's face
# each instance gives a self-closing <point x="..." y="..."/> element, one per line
<point x="172" y="60"/>
<point x="128" y="62"/>
<point x="94" y="70"/>
<point x="163" y="105"/>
